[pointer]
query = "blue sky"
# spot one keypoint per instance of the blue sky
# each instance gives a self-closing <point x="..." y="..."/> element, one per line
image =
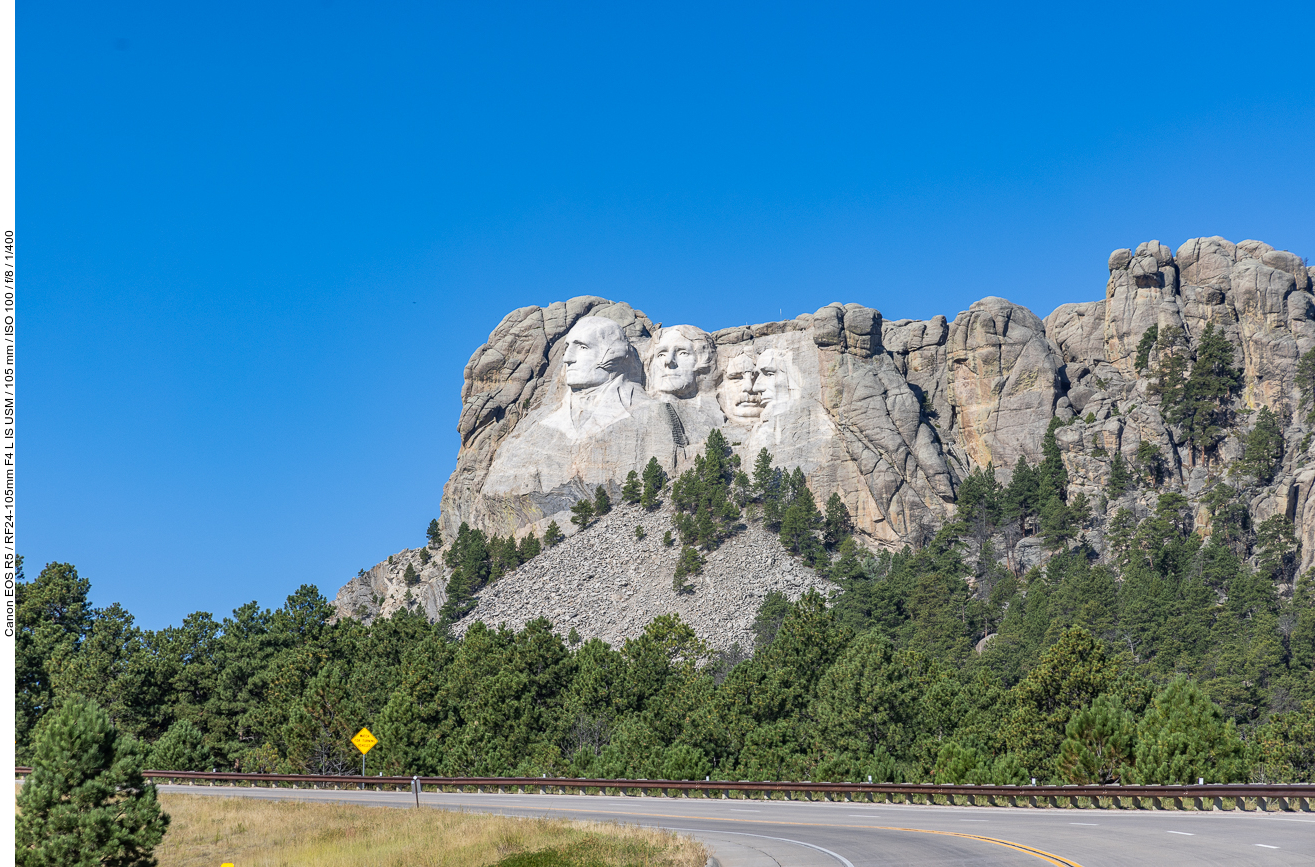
<point x="259" y="241"/>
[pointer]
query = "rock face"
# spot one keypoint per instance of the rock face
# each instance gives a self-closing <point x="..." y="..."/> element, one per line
<point x="605" y="583"/>
<point x="892" y="415"/>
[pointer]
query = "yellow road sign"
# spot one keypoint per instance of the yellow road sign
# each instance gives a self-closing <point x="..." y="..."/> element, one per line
<point x="364" y="741"/>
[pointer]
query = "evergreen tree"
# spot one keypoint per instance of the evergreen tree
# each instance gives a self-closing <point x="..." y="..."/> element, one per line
<point x="1262" y="450"/>
<point x="1022" y="496"/>
<point x="52" y="616"/>
<point x="1145" y="345"/>
<point x="582" y="513"/>
<point x="1150" y="462"/>
<point x="1120" y="479"/>
<point x="654" y="481"/>
<point x="1201" y="403"/>
<point x="471" y="563"/>
<point x="182" y="748"/>
<point x="1305" y="382"/>
<point x="1277" y="548"/>
<point x="837" y="527"/>
<point x="689" y="563"/>
<point x="553" y="535"/>
<point x="1052" y="477"/>
<point x="763" y="474"/>
<point x="633" y="490"/>
<point x="1098" y="743"/>
<point x="800" y="524"/>
<point x="434" y="534"/>
<point x="86" y="802"/>
<point x="410" y="576"/>
<point x="529" y="547"/>
<point x="602" y="502"/>
<point x="1183" y="736"/>
<point x="771" y="613"/>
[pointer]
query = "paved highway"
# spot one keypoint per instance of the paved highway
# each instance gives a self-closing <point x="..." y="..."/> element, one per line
<point x="745" y="833"/>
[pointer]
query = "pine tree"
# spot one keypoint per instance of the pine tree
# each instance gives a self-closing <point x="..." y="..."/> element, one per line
<point x="633" y="490"/>
<point x="690" y="563"/>
<point x="1262" y="450"/>
<point x="800" y="524"/>
<point x="434" y="534"/>
<point x="1098" y="743"/>
<point x="1145" y="345"/>
<point x="1200" y="403"/>
<point x="1183" y="736"/>
<point x="654" y="480"/>
<point x="1052" y="477"/>
<point x="86" y="802"/>
<point x="182" y="748"/>
<point x="1120" y="479"/>
<point x="1305" y="382"/>
<point x="763" y="474"/>
<point x="582" y="513"/>
<point x="53" y="616"/>
<point x="602" y="502"/>
<point x="837" y="527"/>
<point x="410" y="576"/>
<point x="553" y="535"/>
<point x="529" y="546"/>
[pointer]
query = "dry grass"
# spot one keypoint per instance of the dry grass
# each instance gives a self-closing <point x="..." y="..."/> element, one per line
<point x="207" y="831"/>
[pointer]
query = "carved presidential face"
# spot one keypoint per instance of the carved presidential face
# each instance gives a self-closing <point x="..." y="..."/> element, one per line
<point x="737" y="396"/>
<point x="770" y="382"/>
<point x="681" y="356"/>
<point x="596" y="351"/>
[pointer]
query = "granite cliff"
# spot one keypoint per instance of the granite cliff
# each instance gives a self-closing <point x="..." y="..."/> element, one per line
<point x="890" y="415"/>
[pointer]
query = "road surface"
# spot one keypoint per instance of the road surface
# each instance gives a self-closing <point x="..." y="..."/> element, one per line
<point x="744" y="833"/>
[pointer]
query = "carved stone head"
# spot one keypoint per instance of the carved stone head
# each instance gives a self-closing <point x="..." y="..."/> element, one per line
<point x="736" y="395"/>
<point x="680" y="357"/>
<point x="597" y="351"/>
<point x="771" y="379"/>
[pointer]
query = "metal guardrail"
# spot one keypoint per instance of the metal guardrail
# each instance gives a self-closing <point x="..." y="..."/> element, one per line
<point x="1222" y="796"/>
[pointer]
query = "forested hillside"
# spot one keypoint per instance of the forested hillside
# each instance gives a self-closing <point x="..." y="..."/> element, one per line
<point x="1175" y="661"/>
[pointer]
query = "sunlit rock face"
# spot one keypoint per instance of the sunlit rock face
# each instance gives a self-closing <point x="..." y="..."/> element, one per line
<point x="890" y="414"/>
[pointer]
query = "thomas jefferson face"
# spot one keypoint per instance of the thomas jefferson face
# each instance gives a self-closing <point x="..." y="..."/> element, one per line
<point x="595" y="349"/>
<point x="739" y="399"/>
<point x="676" y="364"/>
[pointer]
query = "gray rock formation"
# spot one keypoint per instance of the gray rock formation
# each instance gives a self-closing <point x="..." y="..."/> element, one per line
<point x="891" y="415"/>
<point x="605" y="583"/>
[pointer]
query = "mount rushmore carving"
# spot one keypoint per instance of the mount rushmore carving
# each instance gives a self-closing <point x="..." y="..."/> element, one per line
<point x="891" y="415"/>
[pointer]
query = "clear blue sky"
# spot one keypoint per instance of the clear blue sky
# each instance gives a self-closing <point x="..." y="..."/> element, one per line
<point x="259" y="241"/>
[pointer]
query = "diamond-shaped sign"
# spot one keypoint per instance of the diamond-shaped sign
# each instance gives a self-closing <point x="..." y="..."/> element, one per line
<point x="364" y="740"/>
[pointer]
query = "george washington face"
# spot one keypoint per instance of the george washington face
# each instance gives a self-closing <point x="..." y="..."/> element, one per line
<point x="596" y="350"/>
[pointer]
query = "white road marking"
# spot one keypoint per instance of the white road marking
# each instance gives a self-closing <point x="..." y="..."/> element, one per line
<point x="1184" y="833"/>
<point x="842" y="859"/>
<point x="974" y="820"/>
<point x="1092" y="824"/>
<point x="1263" y="846"/>
<point x="733" y="810"/>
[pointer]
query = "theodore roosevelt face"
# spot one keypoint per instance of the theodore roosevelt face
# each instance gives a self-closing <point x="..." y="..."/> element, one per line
<point x="738" y="397"/>
<point x="595" y="347"/>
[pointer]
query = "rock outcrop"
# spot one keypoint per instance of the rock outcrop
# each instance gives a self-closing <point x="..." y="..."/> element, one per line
<point x="606" y="583"/>
<point x="891" y="415"/>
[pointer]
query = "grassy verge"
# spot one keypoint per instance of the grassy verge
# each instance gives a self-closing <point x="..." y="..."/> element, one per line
<point x="208" y="831"/>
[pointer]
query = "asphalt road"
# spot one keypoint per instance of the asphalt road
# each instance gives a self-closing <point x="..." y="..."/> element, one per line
<point x="744" y="833"/>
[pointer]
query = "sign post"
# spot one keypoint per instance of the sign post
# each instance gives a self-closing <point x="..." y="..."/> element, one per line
<point x="363" y="741"/>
